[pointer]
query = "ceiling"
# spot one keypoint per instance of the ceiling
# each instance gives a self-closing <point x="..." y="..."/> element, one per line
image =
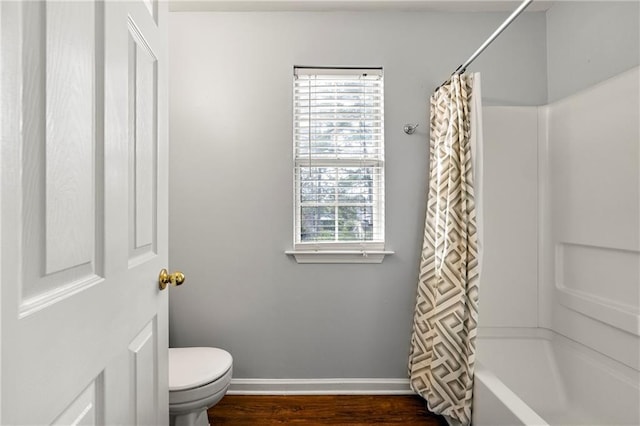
<point x="353" y="5"/>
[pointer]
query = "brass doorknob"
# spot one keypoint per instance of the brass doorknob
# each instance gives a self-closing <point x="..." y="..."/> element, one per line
<point x="165" y="279"/>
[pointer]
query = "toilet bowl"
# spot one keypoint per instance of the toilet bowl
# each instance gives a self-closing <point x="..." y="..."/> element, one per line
<point x="198" y="379"/>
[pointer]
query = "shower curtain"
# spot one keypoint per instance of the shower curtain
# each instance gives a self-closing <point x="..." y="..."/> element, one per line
<point x="442" y="351"/>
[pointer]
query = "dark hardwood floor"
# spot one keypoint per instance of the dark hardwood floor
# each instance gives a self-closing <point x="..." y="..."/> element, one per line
<point x="323" y="410"/>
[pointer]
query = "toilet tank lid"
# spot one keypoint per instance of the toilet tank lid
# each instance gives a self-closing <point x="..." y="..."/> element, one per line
<point x="193" y="367"/>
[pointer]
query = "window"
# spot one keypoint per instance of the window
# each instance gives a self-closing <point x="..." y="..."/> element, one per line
<point x="338" y="122"/>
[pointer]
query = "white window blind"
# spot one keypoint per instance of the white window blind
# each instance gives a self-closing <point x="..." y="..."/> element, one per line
<point x="339" y="158"/>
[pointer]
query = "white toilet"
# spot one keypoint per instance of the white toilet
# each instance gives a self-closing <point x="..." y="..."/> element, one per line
<point x="198" y="379"/>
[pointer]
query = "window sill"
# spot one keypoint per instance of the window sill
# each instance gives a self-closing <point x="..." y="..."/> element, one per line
<point x="339" y="256"/>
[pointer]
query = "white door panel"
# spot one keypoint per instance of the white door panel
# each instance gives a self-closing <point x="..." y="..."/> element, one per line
<point x="84" y="213"/>
<point x="143" y="89"/>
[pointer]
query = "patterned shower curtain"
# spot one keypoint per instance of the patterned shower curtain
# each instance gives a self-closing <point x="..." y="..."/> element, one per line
<point x="442" y="353"/>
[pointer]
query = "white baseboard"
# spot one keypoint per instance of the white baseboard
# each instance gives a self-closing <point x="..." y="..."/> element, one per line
<point x="319" y="387"/>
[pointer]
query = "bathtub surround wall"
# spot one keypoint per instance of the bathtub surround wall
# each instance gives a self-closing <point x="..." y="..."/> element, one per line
<point x="594" y="209"/>
<point x="509" y="294"/>
<point x="231" y="193"/>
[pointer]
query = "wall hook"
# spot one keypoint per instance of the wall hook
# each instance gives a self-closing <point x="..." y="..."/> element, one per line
<point x="410" y="128"/>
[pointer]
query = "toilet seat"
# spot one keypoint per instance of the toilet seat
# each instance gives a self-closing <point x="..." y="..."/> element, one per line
<point x="190" y="368"/>
<point x="198" y="379"/>
<point x="201" y="396"/>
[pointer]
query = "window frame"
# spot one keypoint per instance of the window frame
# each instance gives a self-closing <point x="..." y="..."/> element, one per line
<point x="331" y="251"/>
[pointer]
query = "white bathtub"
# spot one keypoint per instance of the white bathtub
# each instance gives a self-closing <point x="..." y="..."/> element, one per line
<point x="537" y="377"/>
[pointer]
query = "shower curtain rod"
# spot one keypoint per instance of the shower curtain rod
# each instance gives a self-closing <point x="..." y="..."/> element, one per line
<point x="463" y="67"/>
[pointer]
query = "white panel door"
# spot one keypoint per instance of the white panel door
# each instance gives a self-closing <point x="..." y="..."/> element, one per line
<point x="83" y="215"/>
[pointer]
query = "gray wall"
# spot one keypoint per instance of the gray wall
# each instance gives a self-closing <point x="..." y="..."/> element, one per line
<point x="231" y="184"/>
<point x="588" y="42"/>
